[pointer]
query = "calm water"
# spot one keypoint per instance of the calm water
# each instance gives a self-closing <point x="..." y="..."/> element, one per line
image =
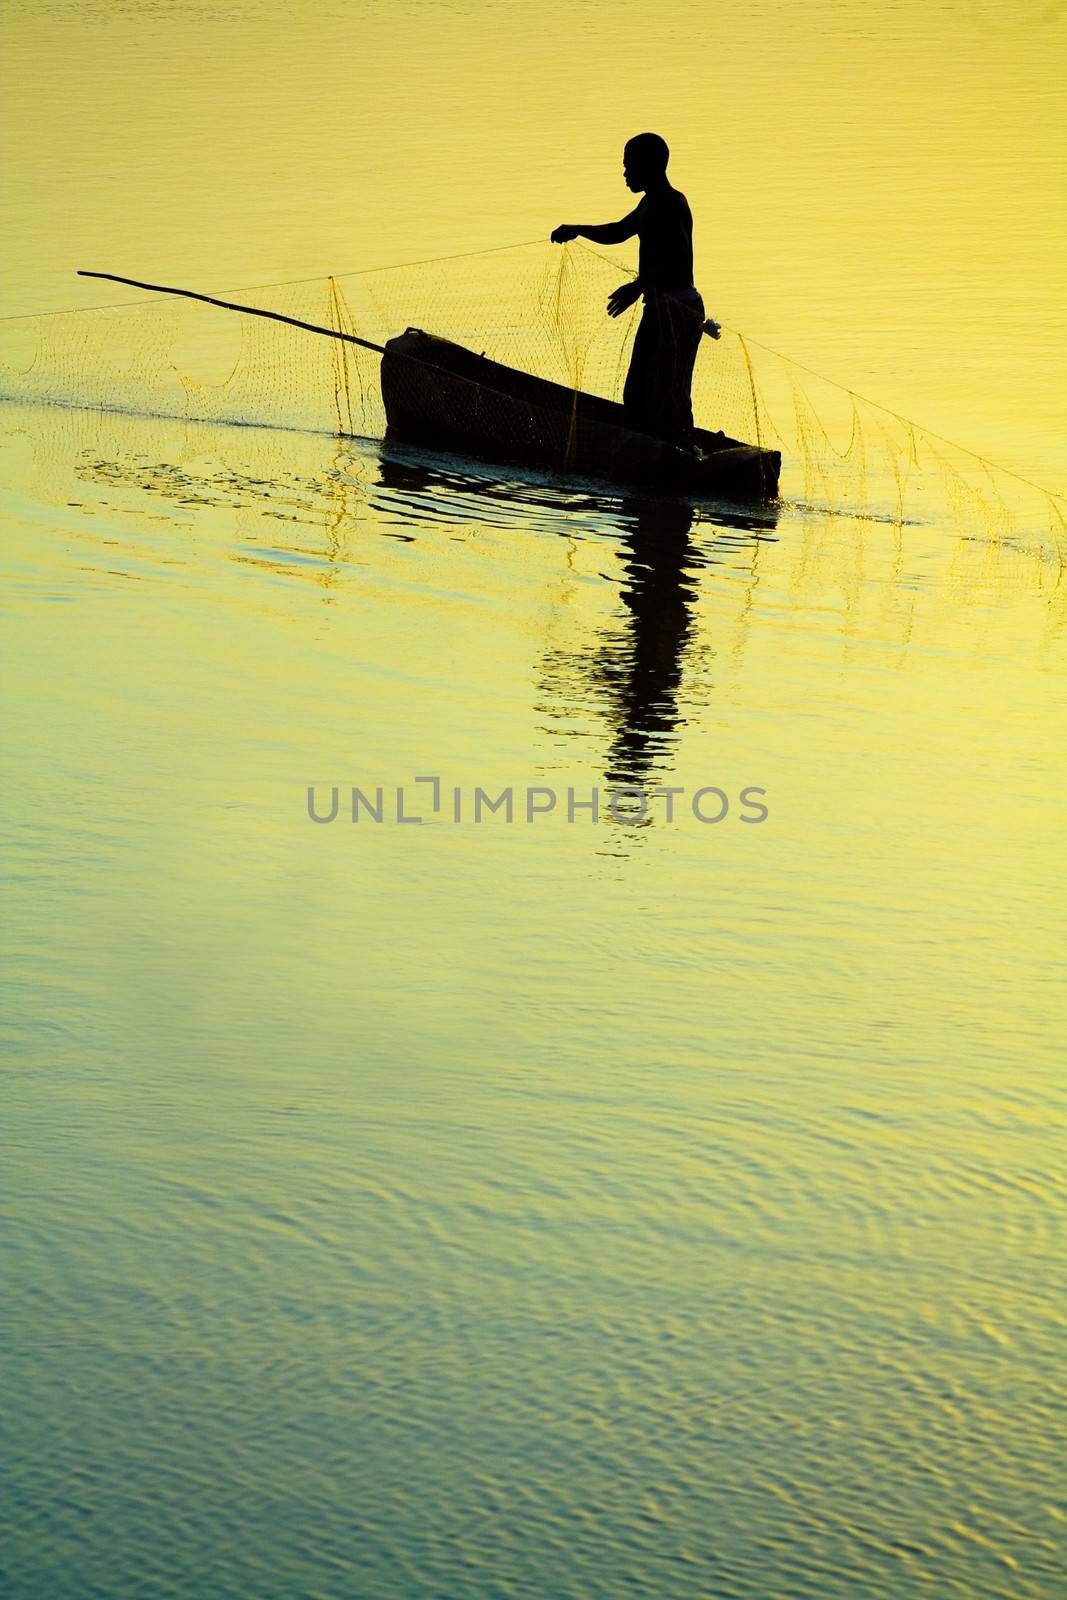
<point x="544" y="1209"/>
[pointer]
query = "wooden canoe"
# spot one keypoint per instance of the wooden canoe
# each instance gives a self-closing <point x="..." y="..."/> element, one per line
<point x="443" y="397"/>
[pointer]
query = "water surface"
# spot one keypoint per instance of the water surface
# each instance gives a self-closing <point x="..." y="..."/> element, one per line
<point x="604" y="1209"/>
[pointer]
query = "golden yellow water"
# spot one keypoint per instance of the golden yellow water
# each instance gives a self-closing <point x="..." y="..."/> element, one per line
<point x="539" y="1208"/>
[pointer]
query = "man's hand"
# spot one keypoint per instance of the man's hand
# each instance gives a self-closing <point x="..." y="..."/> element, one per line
<point x="564" y="233"/>
<point x="623" y="298"/>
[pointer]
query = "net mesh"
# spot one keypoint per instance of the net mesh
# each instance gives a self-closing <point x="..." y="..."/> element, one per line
<point x="536" y="308"/>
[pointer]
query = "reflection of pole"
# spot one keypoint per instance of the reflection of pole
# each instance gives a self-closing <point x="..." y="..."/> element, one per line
<point x="339" y="485"/>
<point x="744" y="612"/>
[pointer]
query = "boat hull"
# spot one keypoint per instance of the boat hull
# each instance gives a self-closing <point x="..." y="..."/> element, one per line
<point x="443" y="397"/>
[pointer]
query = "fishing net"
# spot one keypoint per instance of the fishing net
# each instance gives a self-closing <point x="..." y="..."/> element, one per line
<point x="537" y="308"/>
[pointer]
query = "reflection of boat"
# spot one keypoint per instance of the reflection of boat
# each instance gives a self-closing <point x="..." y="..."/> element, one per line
<point x="441" y="396"/>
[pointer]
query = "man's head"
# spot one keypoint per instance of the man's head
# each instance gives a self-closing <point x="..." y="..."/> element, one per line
<point x="644" y="160"/>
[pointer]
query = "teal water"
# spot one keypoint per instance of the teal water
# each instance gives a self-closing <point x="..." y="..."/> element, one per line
<point x="548" y="1209"/>
<point x="531" y="1209"/>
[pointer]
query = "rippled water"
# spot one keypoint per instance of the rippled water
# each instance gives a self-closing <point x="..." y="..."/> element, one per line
<point x="539" y="1208"/>
<point x="545" y="1208"/>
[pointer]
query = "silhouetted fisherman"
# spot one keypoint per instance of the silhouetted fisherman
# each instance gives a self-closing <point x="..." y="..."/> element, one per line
<point x="658" y="395"/>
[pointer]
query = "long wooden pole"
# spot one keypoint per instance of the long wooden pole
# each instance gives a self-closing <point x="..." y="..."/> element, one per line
<point x="229" y="305"/>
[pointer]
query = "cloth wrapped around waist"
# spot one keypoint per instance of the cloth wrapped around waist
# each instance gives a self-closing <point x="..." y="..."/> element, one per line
<point x="692" y="298"/>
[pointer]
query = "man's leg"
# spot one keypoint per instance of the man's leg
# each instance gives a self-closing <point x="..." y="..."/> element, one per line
<point x="686" y="321"/>
<point x="637" y="394"/>
<point x="658" y="394"/>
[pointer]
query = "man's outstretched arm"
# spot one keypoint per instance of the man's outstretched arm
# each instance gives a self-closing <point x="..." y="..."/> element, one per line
<point x="599" y="233"/>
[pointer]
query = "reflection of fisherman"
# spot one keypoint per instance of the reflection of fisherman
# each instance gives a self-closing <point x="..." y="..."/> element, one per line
<point x="661" y="566"/>
<point x="658" y="385"/>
